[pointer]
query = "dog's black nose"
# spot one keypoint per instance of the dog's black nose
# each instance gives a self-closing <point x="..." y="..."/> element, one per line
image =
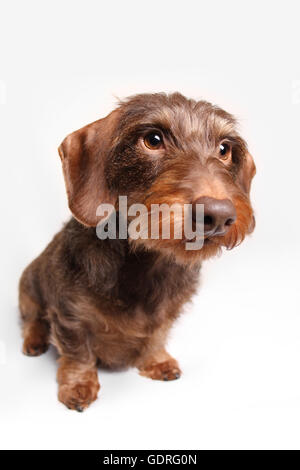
<point x="219" y="214"/>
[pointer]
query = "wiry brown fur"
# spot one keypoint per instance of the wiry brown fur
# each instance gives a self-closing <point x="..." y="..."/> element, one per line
<point x="114" y="301"/>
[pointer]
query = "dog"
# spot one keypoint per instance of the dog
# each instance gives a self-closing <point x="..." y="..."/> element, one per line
<point x="113" y="301"/>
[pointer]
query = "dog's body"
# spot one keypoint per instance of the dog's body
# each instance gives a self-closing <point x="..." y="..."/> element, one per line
<point x="104" y="299"/>
<point x="114" y="301"/>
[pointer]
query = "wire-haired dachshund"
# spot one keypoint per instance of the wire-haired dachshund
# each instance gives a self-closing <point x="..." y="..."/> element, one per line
<point x="112" y="301"/>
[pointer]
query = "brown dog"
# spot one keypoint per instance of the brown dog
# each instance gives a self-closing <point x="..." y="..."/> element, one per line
<point x="114" y="301"/>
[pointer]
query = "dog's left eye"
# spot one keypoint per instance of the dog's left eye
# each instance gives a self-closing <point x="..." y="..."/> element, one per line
<point x="225" y="151"/>
<point x="153" y="141"/>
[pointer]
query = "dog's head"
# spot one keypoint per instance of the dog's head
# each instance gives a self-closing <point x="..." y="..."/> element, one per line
<point x="164" y="149"/>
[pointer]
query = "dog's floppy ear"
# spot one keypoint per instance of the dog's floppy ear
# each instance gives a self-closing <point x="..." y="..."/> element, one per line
<point x="246" y="173"/>
<point x="84" y="154"/>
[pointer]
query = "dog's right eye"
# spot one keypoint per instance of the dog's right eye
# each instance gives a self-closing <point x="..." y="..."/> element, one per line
<point x="153" y="141"/>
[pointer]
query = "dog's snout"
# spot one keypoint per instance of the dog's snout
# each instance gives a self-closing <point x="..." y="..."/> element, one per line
<point x="219" y="214"/>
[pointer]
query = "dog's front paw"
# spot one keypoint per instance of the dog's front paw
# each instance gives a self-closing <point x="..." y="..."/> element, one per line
<point x="167" y="370"/>
<point x="79" y="396"/>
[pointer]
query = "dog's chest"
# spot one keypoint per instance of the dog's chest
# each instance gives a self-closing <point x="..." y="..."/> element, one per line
<point x="146" y="281"/>
<point x="144" y="295"/>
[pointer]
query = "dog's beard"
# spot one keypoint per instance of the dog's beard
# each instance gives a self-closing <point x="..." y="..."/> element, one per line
<point x="175" y="248"/>
<point x="243" y="225"/>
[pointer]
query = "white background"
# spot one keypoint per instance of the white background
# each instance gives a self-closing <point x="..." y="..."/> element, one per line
<point x="62" y="65"/>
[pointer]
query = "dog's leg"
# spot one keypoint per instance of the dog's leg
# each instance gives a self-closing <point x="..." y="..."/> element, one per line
<point x="159" y="365"/>
<point x="78" y="383"/>
<point x="35" y="328"/>
<point x="36" y="337"/>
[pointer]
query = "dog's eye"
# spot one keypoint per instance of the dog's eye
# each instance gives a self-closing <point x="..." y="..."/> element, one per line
<point x="153" y="141"/>
<point x="225" y="151"/>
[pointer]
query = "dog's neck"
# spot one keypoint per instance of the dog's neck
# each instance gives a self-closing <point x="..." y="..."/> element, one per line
<point x="124" y="272"/>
